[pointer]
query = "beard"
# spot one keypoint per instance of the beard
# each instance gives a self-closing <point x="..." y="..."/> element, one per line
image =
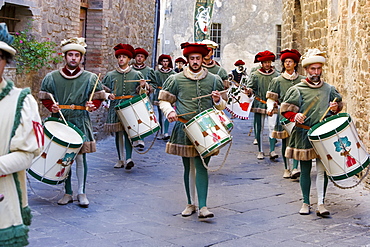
<point x="314" y="77"/>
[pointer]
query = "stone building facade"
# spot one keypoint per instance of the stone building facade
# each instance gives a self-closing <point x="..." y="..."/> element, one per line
<point x="104" y="23"/>
<point x="340" y="27"/>
<point x="246" y="28"/>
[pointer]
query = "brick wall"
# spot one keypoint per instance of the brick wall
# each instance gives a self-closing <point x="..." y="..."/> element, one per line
<point x="109" y="22"/>
<point x="342" y="29"/>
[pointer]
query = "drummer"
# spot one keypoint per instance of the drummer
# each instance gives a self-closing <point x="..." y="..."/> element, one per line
<point x="276" y="93"/>
<point x="160" y="76"/>
<point x="72" y="87"/>
<point x="297" y="101"/>
<point x="120" y="91"/>
<point x="179" y="89"/>
<point x="258" y="84"/>
<point x="140" y="57"/>
<point x="21" y="134"/>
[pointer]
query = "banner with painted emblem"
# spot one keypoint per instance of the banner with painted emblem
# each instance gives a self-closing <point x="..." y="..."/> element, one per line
<point x="202" y="19"/>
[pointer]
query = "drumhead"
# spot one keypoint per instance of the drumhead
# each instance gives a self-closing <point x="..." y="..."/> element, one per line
<point x="199" y="115"/>
<point x="329" y="126"/>
<point x="131" y="101"/>
<point x="64" y="135"/>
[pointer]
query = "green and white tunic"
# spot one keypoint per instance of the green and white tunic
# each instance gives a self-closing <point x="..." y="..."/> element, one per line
<point x="180" y="89"/>
<point x="19" y="145"/>
<point x="259" y="82"/>
<point x="160" y="77"/>
<point x="276" y="92"/>
<point x="74" y="90"/>
<point x="114" y="83"/>
<point x="297" y="100"/>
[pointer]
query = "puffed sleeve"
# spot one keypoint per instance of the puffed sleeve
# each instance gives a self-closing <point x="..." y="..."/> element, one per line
<point x="26" y="143"/>
<point x="292" y="101"/>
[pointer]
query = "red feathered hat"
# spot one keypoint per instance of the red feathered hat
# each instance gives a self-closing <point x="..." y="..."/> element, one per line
<point x="194" y="48"/>
<point x="124" y="49"/>
<point x="180" y="60"/>
<point x="264" y="56"/>
<point x="292" y="54"/>
<point x="140" y="50"/>
<point x="164" y="56"/>
<point x="239" y="62"/>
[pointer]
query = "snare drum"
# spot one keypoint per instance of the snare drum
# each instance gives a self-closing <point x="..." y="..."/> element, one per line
<point x="62" y="144"/>
<point x="287" y="125"/>
<point x="207" y="132"/>
<point x="340" y="148"/>
<point x="225" y="120"/>
<point x="137" y="117"/>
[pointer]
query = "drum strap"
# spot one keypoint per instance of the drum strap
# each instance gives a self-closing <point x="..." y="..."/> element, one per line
<point x="182" y="120"/>
<point x="302" y="126"/>
<point x="124" y="97"/>
<point x="260" y="100"/>
<point x="72" y="107"/>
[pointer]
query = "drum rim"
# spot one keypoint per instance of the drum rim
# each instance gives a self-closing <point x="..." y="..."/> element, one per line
<point x="128" y="102"/>
<point x="199" y="115"/>
<point x="45" y="180"/>
<point x="57" y="140"/>
<point x="285" y="121"/>
<point x="139" y="137"/>
<point x="218" y="145"/>
<point x="352" y="173"/>
<point x="332" y="132"/>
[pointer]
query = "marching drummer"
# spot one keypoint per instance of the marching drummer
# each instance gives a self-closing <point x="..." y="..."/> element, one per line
<point x="276" y="93"/>
<point x="305" y="104"/>
<point x="72" y="87"/>
<point x="140" y="57"/>
<point x="258" y="84"/>
<point x="161" y="75"/>
<point x="180" y="63"/>
<point x="212" y="66"/>
<point x="21" y="134"/>
<point x="117" y="84"/>
<point x="180" y="88"/>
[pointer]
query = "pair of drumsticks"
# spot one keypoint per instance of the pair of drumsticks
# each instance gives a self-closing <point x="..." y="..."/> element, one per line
<point x="313" y="103"/>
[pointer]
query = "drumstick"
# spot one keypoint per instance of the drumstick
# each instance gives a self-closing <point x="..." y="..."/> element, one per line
<point x="93" y="91"/>
<point x="327" y="110"/>
<point x="180" y="115"/>
<point x="60" y="112"/>
<point x="310" y="105"/>
<point x="207" y="95"/>
<point x="134" y="80"/>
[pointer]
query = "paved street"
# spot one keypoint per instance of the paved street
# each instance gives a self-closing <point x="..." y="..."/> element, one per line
<point x="252" y="203"/>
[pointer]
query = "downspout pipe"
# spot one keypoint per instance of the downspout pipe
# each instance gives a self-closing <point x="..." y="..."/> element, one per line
<point x="156" y="30"/>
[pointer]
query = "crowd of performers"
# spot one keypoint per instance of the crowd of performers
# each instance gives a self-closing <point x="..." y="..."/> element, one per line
<point x="73" y="93"/>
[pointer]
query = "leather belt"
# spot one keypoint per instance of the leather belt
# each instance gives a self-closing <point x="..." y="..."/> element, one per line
<point x="260" y="100"/>
<point x="182" y="120"/>
<point x="302" y="126"/>
<point x="72" y="107"/>
<point x="124" y="97"/>
<point x="159" y="87"/>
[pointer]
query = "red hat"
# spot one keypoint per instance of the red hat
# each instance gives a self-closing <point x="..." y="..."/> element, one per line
<point x="194" y="48"/>
<point x="140" y="50"/>
<point x="164" y="56"/>
<point x="124" y="49"/>
<point x="264" y="56"/>
<point x="239" y="62"/>
<point x="180" y="60"/>
<point x="292" y="54"/>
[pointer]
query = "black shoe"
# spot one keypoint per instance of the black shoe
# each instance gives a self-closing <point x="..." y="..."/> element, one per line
<point x="129" y="165"/>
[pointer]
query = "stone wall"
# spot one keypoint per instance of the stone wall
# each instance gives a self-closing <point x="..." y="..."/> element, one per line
<point x="247" y="27"/>
<point x="342" y="29"/>
<point x="109" y="22"/>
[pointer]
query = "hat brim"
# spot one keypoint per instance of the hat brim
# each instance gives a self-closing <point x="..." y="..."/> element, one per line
<point x="5" y="47"/>
<point x="74" y="47"/>
<point x="312" y="60"/>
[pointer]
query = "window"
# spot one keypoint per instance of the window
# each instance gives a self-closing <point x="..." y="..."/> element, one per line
<point x="7" y="15"/>
<point x="278" y="40"/>
<point x="215" y="36"/>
